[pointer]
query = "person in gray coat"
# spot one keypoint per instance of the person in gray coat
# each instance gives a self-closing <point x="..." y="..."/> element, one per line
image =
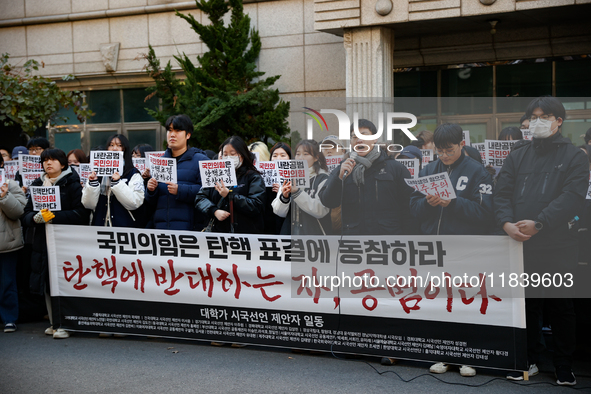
<point x="12" y="204"/>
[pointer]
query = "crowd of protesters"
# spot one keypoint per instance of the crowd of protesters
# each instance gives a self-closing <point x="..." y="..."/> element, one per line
<point x="541" y="187"/>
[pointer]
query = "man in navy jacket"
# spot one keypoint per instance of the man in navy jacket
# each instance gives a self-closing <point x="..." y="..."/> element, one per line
<point x="174" y="203"/>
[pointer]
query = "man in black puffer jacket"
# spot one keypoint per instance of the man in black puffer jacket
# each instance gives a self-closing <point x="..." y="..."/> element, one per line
<point x="374" y="195"/>
<point x="469" y="213"/>
<point x="539" y="194"/>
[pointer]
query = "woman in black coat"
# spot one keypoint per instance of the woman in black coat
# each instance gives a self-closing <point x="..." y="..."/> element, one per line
<point x="240" y="208"/>
<point x="57" y="173"/>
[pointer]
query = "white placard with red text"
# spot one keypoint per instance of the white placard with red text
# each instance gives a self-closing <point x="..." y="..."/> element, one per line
<point x="496" y="151"/>
<point x="3" y="178"/>
<point x="163" y="169"/>
<point x="46" y="197"/>
<point x="106" y="162"/>
<point x="140" y="164"/>
<point x="29" y="163"/>
<point x="296" y="171"/>
<point x="412" y="165"/>
<point x="333" y="162"/>
<point x="84" y="172"/>
<point x="157" y="154"/>
<point x="427" y="156"/>
<point x="29" y="177"/>
<point x="434" y="185"/>
<point x="11" y="168"/>
<point x="466" y="137"/>
<point x="214" y="171"/>
<point x="527" y="135"/>
<point x="268" y="170"/>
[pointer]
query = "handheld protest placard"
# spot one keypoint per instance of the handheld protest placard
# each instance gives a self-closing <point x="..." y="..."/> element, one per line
<point x="46" y="197"/>
<point x="163" y="169"/>
<point x="268" y="170"/>
<point x="140" y="164"/>
<point x="434" y="185"/>
<point x="10" y="169"/>
<point x="412" y="165"/>
<point x="296" y="171"/>
<point x="29" y="163"/>
<point x="427" y="156"/>
<point x="333" y="162"/>
<point x="106" y="162"/>
<point x="214" y="171"/>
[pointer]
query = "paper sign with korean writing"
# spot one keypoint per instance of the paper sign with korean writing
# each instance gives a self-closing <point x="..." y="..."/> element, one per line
<point x="479" y="146"/>
<point x="427" y="156"/>
<point x="434" y="185"/>
<point x="85" y="170"/>
<point x="10" y="169"/>
<point x="29" y="177"/>
<point x="163" y="169"/>
<point x="333" y="162"/>
<point x="496" y="151"/>
<point x="269" y="172"/>
<point x="29" y="163"/>
<point x="46" y="197"/>
<point x="214" y="171"/>
<point x="527" y="135"/>
<point x="3" y="178"/>
<point x="140" y="164"/>
<point x="412" y="165"/>
<point x="256" y="159"/>
<point x="157" y="154"/>
<point x="296" y="171"/>
<point x="106" y="162"/>
<point x="466" y="137"/>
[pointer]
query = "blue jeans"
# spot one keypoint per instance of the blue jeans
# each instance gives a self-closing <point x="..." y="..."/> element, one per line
<point x="8" y="292"/>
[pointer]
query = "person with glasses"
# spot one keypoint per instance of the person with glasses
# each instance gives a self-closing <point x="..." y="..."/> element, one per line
<point x="539" y="196"/>
<point x="470" y="213"/>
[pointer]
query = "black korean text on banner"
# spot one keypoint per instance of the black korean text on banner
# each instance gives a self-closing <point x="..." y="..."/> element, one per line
<point x="214" y="171"/>
<point x="434" y="185"/>
<point x="268" y="170"/>
<point x="466" y="137"/>
<point x="29" y="163"/>
<point x="46" y="197"/>
<point x="85" y="170"/>
<point x="427" y="156"/>
<point x="496" y="151"/>
<point x="106" y="162"/>
<point x="257" y="289"/>
<point x="479" y="146"/>
<point x="29" y="177"/>
<point x="333" y="162"/>
<point x="10" y="169"/>
<point x="412" y="165"/>
<point x="163" y="169"/>
<point x="296" y="171"/>
<point x="140" y="164"/>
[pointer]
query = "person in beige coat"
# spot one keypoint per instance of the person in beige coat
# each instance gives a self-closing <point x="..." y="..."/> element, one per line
<point x="12" y="204"/>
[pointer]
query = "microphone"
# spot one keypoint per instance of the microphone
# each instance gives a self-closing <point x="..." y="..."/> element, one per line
<point x="345" y="174"/>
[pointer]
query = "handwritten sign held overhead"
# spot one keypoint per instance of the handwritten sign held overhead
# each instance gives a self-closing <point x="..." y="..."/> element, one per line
<point x="434" y="185"/>
<point x="214" y="171"/>
<point x="106" y="163"/>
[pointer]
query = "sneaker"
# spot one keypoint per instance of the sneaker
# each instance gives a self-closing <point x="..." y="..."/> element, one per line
<point x="388" y="361"/>
<point x="439" y="368"/>
<point x="10" y="327"/>
<point x="516" y="375"/>
<point x="565" y="376"/>
<point x="467" y="371"/>
<point x="60" y="333"/>
<point x="105" y="335"/>
<point x="49" y="330"/>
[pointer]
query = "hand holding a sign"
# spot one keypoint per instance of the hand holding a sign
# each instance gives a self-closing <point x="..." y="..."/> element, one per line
<point x="173" y="188"/>
<point x="146" y="173"/>
<point x="222" y="189"/>
<point x="436" y="200"/>
<point x="152" y="184"/>
<point x="3" y="190"/>
<point x="286" y="189"/>
<point x="514" y="232"/>
<point x="115" y="177"/>
<point x="92" y="176"/>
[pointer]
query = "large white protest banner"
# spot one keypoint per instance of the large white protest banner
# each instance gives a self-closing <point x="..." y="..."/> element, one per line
<point x="416" y="297"/>
<point x="106" y="162"/>
<point x="163" y="169"/>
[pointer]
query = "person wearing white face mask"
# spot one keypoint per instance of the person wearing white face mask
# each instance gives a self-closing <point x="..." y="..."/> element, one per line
<point x="240" y="208"/>
<point x="539" y="196"/>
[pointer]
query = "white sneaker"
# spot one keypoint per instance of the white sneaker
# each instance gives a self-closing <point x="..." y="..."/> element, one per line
<point x="516" y="375"/>
<point x="49" y="331"/>
<point x="439" y="368"/>
<point x="467" y="371"/>
<point x="60" y="333"/>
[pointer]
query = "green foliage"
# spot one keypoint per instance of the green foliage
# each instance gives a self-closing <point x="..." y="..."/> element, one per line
<point x="31" y="100"/>
<point x="224" y="95"/>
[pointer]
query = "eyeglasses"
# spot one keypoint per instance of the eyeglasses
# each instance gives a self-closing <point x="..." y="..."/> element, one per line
<point x="534" y="118"/>
<point x="36" y="150"/>
<point x="447" y="152"/>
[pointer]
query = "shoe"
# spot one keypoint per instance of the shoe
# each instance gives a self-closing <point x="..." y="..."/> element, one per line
<point x="439" y="368"/>
<point x="388" y="361"/>
<point x="218" y="343"/>
<point x="238" y="345"/>
<point x="467" y="371"/>
<point x="565" y="376"/>
<point x="60" y="333"/>
<point x="105" y="335"/>
<point x="49" y="331"/>
<point x="10" y="327"/>
<point x="516" y="375"/>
